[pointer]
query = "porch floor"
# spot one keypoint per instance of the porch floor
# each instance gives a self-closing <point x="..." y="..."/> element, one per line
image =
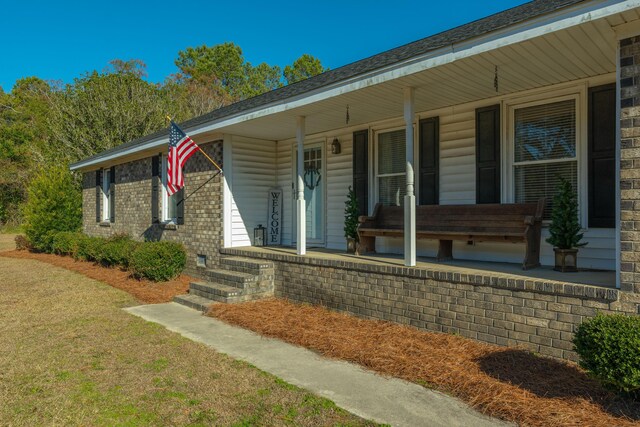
<point x="601" y="278"/>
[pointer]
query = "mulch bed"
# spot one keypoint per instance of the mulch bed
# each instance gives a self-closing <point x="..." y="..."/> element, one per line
<point x="506" y="383"/>
<point x="145" y="291"/>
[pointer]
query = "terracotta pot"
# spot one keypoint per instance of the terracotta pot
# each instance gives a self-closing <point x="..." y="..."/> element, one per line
<point x="566" y="260"/>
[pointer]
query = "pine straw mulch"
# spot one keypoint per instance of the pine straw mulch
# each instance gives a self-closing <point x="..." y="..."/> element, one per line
<point x="506" y="383"/>
<point x="145" y="291"/>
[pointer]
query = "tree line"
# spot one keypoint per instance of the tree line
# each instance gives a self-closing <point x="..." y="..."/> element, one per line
<point x="44" y="122"/>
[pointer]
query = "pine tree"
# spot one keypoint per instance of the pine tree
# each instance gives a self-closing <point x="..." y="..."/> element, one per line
<point x="565" y="229"/>
<point x="351" y="214"/>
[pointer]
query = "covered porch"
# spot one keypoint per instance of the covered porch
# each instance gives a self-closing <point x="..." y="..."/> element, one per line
<point x="533" y="70"/>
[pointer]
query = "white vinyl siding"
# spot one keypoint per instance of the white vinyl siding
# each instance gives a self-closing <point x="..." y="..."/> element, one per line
<point x="254" y="170"/>
<point x="339" y="178"/>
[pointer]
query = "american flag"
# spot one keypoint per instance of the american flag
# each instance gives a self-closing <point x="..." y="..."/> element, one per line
<point x="181" y="147"/>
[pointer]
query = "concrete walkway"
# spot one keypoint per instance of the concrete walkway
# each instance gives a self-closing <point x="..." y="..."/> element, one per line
<point x="364" y="393"/>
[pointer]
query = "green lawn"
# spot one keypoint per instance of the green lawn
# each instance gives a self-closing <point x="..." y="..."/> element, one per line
<point x="70" y="356"/>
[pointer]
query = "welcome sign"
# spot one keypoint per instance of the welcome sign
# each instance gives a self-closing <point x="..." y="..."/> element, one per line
<point x="274" y="221"/>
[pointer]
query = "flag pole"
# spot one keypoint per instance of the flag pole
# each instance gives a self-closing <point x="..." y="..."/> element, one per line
<point x="202" y="151"/>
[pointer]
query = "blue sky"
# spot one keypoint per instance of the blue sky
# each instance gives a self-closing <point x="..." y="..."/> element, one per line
<point x="64" y="39"/>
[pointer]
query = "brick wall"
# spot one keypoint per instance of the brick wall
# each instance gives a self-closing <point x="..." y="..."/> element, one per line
<point x="630" y="164"/>
<point x="201" y="232"/>
<point x="536" y="314"/>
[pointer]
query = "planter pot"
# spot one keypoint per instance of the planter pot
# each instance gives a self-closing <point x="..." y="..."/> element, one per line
<point x="352" y="245"/>
<point x="566" y="260"/>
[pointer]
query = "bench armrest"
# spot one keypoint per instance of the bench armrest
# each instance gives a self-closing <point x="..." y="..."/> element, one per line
<point x="532" y="220"/>
<point x="364" y="218"/>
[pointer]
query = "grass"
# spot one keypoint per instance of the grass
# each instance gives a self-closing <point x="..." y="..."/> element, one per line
<point x="71" y="356"/>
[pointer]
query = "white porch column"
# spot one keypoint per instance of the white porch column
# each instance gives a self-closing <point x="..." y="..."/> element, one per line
<point x="409" y="198"/>
<point x="301" y="229"/>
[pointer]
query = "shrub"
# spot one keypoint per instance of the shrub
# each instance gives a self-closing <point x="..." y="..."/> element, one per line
<point x="158" y="261"/>
<point x="53" y="204"/>
<point x="117" y="250"/>
<point x="89" y="248"/>
<point x="66" y="242"/>
<point x="564" y="231"/>
<point x="22" y="243"/>
<point x="609" y="348"/>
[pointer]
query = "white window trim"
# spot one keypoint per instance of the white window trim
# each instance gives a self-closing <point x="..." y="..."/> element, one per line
<point x="164" y="205"/>
<point x="577" y="93"/>
<point x="106" y="187"/>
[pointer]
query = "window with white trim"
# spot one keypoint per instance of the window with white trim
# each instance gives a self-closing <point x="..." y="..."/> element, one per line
<point x="106" y="195"/>
<point x="169" y="203"/>
<point x="390" y="167"/>
<point x="545" y="149"/>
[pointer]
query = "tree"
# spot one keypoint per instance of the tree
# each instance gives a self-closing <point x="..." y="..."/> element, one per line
<point x="564" y="231"/>
<point x="136" y="67"/>
<point x="302" y="68"/>
<point x="99" y="111"/>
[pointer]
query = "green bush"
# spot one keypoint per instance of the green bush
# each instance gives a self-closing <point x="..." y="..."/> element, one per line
<point x="158" y="261"/>
<point x="117" y="250"/>
<point x="66" y="242"/>
<point x="609" y="349"/>
<point x="89" y="248"/>
<point x="54" y="204"/>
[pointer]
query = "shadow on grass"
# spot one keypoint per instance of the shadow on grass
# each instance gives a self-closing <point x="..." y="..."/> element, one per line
<point x="551" y="378"/>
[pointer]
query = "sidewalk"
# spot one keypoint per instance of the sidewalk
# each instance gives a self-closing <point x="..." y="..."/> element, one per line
<point x="361" y="392"/>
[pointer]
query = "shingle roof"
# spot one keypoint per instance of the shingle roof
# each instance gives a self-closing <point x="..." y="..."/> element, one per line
<point x="420" y="47"/>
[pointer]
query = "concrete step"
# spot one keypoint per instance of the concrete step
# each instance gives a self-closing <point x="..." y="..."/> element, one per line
<point x="232" y="278"/>
<point x="247" y="265"/>
<point x="194" y="301"/>
<point x="211" y="290"/>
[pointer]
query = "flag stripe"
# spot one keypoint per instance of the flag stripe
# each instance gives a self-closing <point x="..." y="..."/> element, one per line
<point x="181" y="148"/>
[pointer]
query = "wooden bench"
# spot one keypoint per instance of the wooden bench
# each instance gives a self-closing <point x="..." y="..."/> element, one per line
<point x="513" y="223"/>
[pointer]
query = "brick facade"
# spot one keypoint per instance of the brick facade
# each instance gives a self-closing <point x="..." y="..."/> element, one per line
<point x="630" y="164"/>
<point x="201" y="232"/>
<point x="536" y="314"/>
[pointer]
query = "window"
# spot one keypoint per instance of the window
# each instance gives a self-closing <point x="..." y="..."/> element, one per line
<point x="390" y="170"/>
<point x="544" y="151"/>
<point x="106" y="194"/>
<point x="169" y="203"/>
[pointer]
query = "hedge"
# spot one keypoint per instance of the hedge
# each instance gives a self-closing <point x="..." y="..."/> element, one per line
<point x="158" y="261"/>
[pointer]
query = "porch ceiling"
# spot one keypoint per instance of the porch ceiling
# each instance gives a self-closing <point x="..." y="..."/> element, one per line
<point x="586" y="50"/>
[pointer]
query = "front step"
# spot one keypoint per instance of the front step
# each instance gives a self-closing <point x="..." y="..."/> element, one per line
<point x="238" y="280"/>
<point x="194" y="301"/>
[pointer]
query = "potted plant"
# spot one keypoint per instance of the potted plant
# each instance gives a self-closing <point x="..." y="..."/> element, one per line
<point x="565" y="235"/>
<point x="351" y="214"/>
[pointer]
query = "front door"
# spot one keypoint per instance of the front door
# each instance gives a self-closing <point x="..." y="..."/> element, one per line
<point x="314" y="185"/>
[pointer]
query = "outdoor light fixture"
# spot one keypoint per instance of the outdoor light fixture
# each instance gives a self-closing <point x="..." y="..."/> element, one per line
<point x="335" y="146"/>
<point x="259" y="235"/>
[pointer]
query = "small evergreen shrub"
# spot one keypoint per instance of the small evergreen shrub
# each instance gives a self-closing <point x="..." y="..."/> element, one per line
<point x="564" y="230"/>
<point x="158" y="261"/>
<point x="54" y="204"/>
<point x="117" y="250"/>
<point x="609" y="349"/>
<point x="66" y="242"/>
<point x="89" y="248"/>
<point x="351" y="215"/>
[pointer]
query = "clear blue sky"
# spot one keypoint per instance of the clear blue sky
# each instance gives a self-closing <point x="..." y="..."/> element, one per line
<point x="60" y="40"/>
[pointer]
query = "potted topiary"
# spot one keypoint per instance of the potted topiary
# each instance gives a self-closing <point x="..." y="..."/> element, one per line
<point x="351" y="214"/>
<point x="565" y="235"/>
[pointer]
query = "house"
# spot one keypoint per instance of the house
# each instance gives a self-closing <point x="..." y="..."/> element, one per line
<point x="493" y="111"/>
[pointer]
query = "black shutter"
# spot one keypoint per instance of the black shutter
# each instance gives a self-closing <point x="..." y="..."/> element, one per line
<point x="98" y="195"/>
<point x="361" y="169"/>
<point x="429" y="155"/>
<point x="180" y="206"/>
<point x="112" y="194"/>
<point x="155" y="189"/>
<point x="488" y="154"/>
<point x="602" y="156"/>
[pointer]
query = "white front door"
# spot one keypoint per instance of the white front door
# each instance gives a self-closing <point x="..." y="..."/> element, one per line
<point x="314" y="193"/>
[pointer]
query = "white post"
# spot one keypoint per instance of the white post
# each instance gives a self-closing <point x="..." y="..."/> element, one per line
<point x="301" y="224"/>
<point x="409" y="198"/>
